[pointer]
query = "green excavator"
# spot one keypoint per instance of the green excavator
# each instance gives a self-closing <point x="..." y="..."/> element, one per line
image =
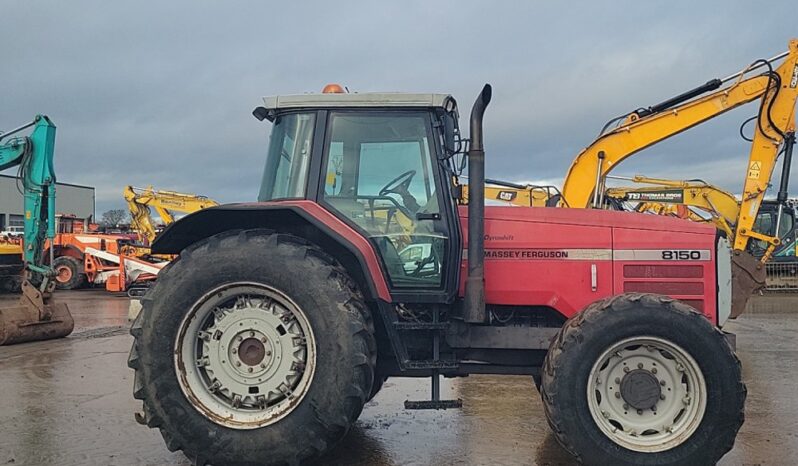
<point x="34" y="316"/>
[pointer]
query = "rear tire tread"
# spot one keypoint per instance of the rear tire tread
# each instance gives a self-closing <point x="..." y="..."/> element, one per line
<point x="362" y="331"/>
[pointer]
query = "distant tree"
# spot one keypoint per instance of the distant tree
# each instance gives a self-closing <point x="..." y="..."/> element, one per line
<point x="114" y="217"/>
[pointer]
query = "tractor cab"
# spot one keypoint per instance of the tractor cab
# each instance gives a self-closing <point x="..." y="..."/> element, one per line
<point x="382" y="164"/>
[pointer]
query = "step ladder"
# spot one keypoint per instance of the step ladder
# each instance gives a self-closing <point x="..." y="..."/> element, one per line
<point x="435" y="364"/>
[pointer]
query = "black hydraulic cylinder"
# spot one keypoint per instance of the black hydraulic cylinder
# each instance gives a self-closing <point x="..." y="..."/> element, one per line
<point x="684" y="97"/>
<point x="781" y="197"/>
<point x="789" y="143"/>
<point x="474" y="311"/>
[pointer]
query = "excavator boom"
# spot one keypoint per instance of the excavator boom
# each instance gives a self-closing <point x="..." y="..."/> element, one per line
<point x="35" y="316"/>
<point x="140" y="201"/>
<point x="777" y="89"/>
<point x="677" y="197"/>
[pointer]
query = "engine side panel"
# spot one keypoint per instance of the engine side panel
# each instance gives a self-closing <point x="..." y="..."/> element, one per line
<point x="563" y="266"/>
<point x="680" y="265"/>
<point x="568" y="258"/>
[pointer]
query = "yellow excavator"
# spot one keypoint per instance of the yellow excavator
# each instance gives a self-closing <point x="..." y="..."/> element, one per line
<point x="35" y="316"/>
<point x="523" y="195"/>
<point x="678" y="198"/>
<point x="141" y="201"/>
<point x="777" y="90"/>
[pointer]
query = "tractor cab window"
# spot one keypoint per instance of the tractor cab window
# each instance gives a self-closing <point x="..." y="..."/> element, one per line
<point x="379" y="175"/>
<point x="286" y="173"/>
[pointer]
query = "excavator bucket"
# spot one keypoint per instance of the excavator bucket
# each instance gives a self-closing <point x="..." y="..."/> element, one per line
<point x="748" y="277"/>
<point x="34" y="317"/>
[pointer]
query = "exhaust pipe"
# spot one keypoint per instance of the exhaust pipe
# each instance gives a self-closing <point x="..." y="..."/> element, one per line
<point x="475" y="282"/>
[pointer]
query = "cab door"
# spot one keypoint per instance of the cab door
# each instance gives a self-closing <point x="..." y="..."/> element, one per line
<point x="381" y="176"/>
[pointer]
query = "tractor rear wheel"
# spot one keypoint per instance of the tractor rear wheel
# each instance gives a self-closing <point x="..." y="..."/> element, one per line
<point x="641" y="379"/>
<point x="252" y="348"/>
<point x="68" y="273"/>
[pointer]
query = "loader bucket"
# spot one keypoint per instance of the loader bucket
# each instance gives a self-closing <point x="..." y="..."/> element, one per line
<point x="34" y="317"/>
<point x="748" y="277"/>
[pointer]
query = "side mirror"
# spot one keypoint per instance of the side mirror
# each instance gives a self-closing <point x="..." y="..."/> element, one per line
<point x="261" y="113"/>
<point x="449" y="137"/>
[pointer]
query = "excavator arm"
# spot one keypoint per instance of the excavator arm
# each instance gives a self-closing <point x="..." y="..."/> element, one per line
<point x="584" y="183"/>
<point x="677" y="197"/>
<point x="35" y="317"/>
<point x="141" y="201"/>
<point x="34" y="155"/>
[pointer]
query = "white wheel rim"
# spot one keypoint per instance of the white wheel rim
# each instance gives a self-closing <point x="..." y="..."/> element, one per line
<point x="621" y="389"/>
<point x="245" y="355"/>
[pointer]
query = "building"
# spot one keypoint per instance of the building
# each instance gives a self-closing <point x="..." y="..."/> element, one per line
<point x="70" y="199"/>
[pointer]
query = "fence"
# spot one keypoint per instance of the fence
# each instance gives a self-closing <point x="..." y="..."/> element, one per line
<point x="782" y="277"/>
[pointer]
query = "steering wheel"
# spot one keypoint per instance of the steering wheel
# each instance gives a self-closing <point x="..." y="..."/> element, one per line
<point x="398" y="185"/>
<point x="401" y="186"/>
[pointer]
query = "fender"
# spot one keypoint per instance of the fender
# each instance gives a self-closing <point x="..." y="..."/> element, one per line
<point x="302" y="218"/>
<point x="65" y="250"/>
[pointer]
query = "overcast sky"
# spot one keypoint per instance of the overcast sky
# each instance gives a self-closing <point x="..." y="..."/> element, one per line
<point x="161" y="92"/>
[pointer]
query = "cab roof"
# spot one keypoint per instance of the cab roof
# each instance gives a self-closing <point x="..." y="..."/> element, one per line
<point x="366" y="99"/>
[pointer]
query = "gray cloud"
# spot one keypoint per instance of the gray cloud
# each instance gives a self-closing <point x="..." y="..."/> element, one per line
<point x="161" y="92"/>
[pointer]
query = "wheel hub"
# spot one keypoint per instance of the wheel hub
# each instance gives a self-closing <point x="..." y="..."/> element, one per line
<point x="63" y="274"/>
<point x="646" y="394"/>
<point x="251" y="351"/>
<point x="640" y="389"/>
<point x="248" y="354"/>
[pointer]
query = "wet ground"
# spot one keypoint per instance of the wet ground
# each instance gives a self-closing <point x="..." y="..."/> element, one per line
<point x="69" y="402"/>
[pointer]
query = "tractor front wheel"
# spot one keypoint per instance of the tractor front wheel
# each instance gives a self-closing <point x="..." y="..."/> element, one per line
<point x="641" y="379"/>
<point x="253" y="348"/>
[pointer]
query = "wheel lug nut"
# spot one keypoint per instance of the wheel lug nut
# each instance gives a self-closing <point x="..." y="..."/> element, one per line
<point x="263" y="366"/>
<point x="617" y="394"/>
<point x="249" y="369"/>
<point x="662" y="382"/>
<point x="235" y="351"/>
<point x="626" y="369"/>
<point x="639" y="411"/>
<point x="239" y="339"/>
<point x="238" y="364"/>
<point x="263" y="340"/>
<point x="268" y="352"/>
<point x="625" y="406"/>
<point x="617" y="380"/>
<point x="653" y="370"/>
<point x="662" y="396"/>
<point x="640" y="365"/>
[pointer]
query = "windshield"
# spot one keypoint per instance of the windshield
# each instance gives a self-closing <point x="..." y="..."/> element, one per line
<point x="286" y="172"/>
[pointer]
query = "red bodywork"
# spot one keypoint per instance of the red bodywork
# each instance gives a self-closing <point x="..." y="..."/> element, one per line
<point x="568" y="258"/>
<point x="546" y="256"/>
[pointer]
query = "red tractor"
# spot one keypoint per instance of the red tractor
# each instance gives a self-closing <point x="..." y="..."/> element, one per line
<point x="281" y="318"/>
